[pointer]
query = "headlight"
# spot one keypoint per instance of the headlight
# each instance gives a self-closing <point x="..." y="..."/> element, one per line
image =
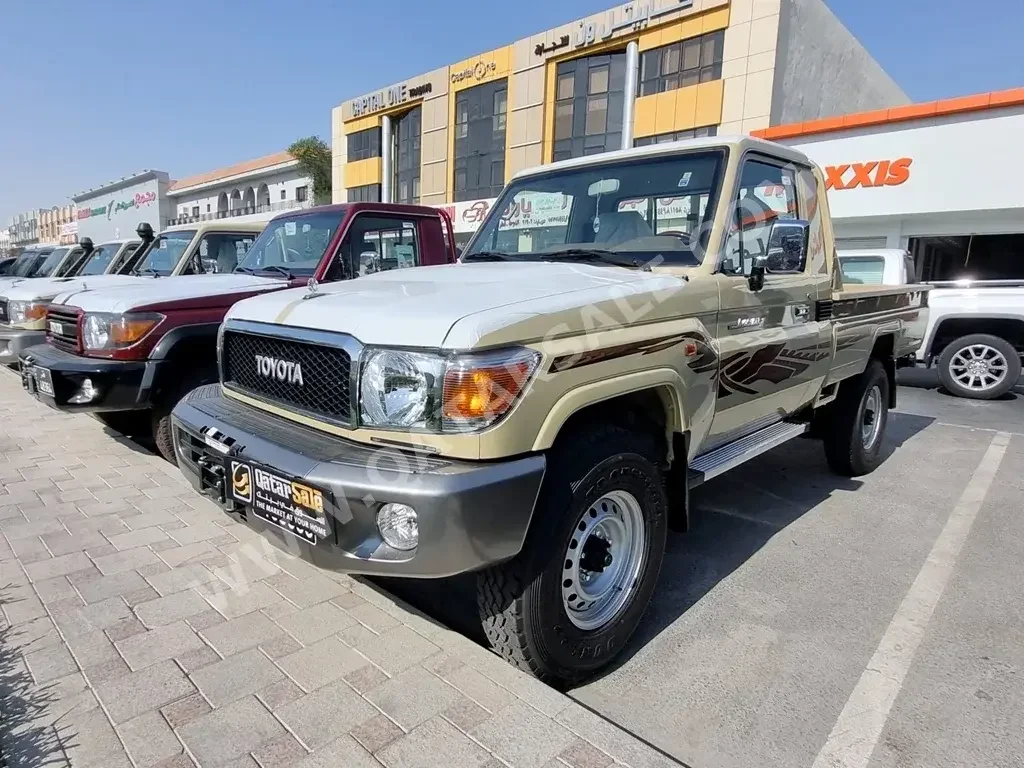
<point x="26" y="311"/>
<point x="102" y="331"/>
<point x="396" y="388"/>
<point x="461" y="393"/>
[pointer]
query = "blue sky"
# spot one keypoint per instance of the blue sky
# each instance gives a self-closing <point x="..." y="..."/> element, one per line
<point x="94" y="90"/>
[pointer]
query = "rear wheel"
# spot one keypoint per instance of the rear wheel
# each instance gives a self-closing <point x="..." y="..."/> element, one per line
<point x="855" y="427"/>
<point x="979" y="366"/>
<point x="569" y="602"/>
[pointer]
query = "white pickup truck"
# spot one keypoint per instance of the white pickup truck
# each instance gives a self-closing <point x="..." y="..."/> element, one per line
<point x="975" y="331"/>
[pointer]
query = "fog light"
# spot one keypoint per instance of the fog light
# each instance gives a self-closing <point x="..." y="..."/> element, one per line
<point x="398" y="527"/>
<point x="86" y="393"/>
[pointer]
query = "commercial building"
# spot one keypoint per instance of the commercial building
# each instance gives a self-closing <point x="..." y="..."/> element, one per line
<point x="938" y="179"/>
<point x="644" y="72"/>
<point x="58" y="224"/>
<point x="115" y="209"/>
<point x="24" y="229"/>
<point x="257" y="190"/>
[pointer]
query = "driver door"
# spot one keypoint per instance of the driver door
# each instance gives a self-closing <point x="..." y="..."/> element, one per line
<point x="772" y="349"/>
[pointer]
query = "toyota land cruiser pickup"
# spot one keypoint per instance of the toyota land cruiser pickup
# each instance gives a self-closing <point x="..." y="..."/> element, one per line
<point x="134" y="351"/>
<point x="34" y="262"/>
<point x="23" y="306"/>
<point x="622" y="328"/>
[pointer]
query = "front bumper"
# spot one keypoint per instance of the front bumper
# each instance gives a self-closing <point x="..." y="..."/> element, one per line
<point x="14" y="341"/>
<point x="118" y="385"/>
<point x="470" y="514"/>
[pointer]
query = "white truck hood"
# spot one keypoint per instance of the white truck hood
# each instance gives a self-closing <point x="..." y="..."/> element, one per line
<point x="148" y="291"/>
<point x="454" y="305"/>
<point x="47" y="288"/>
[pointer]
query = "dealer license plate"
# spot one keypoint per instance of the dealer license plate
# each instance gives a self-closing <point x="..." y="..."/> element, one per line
<point x="291" y="505"/>
<point x="43" y="380"/>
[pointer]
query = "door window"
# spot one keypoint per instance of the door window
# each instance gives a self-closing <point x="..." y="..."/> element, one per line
<point x="767" y="193"/>
<point x="379" y="243"/>
<point x="221" y="252"/>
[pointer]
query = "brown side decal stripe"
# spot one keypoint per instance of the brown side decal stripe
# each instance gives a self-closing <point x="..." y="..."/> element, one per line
<point x="647" y="347"/>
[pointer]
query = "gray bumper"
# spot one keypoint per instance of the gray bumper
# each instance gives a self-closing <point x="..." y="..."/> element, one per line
<point x="470" y="514"/>
<point x="14" y="341"/>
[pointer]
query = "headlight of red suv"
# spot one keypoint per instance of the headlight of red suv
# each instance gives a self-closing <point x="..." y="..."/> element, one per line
<point x="104" y="331"/>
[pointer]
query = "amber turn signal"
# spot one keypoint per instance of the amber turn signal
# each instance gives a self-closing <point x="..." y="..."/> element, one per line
<point x="479" y="389"/>
<point x="128" y="330"/>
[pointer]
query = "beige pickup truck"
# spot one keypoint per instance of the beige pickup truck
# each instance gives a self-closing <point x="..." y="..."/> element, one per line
<point x="622" y="328"/>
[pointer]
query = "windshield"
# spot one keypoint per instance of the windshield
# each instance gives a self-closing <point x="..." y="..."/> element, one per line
<point x="165" y="254"/>
<point x="99" y="259"/>
<point x="26" y="263"/>
<point x="50" y="263"/>
<point x="645" y="208"/>
<point x="294" y="245"/>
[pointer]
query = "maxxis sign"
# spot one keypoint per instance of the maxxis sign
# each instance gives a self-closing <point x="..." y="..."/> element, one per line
<point x="874" y="173"/>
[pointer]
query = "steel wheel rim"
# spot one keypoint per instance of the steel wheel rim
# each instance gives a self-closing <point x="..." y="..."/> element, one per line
<point x="871" y="418"/>
<point x="610" y="533"/>
<point x="978" y="367"/>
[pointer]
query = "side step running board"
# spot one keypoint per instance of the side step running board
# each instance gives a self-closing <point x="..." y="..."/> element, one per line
<point x="714" y="463"/>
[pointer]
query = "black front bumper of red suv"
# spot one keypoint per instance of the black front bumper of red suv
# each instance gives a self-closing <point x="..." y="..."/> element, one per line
<point x="71" y="382"/>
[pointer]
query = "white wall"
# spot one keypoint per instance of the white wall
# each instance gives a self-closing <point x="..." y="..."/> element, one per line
<point x="107" y="215"/>
<point x="282" y="181"/>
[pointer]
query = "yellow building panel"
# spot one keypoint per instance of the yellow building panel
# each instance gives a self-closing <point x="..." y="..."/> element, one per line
<point x="644" y="112"/>
<point x="362" y="123"/>
<point x="691" y="27"/>
<point x="709" y="103"/>
<point x="363" y="172"/>
<point x="550" y="73"/>
<point x="686" y="108"/>
<point x="665" y="107"/>
<point x="715" y="20"/>
<point x="477" y="70"/>
<point x="653" y="38"/>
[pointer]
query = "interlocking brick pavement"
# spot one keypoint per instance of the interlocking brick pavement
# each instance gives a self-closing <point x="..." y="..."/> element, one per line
<point x="143" y="627"/>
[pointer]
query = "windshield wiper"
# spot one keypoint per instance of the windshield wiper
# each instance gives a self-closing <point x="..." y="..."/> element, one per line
<point x="277" y="268"/>
<point x="247" y="270"/>
<point x="596" y="254"/>
<point x="492" y="256"/>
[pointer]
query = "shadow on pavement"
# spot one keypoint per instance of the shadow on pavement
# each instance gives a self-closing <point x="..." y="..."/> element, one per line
<point x="735" y="515"/>
<point x="928" y="378"/>
<point x="27" y="735"/>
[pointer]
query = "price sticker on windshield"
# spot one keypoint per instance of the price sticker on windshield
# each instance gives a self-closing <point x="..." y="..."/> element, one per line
<point x="289" y="228"/>
<point x="685" y="181"/>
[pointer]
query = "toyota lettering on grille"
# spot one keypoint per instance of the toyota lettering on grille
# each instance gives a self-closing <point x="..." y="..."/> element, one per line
<point x="282" y="370"/>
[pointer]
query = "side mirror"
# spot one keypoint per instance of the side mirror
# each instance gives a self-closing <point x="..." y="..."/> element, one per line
<point x="786" y="253"/>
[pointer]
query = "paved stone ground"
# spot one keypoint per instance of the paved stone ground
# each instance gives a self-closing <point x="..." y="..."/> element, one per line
<point x="141" y="626"/>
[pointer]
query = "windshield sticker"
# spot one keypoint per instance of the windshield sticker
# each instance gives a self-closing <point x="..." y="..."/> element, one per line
<point x="305" y="228"/>
<point x="289" y="228"/>
<point x="405" y="255"/>
<point x="685" y="181"/>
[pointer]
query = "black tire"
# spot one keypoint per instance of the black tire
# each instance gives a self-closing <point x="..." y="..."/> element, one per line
<point x="1004" y="348"/>
<point x="163" y="435"/>
<point x="845" y="447"/>
<point x="520" y="602"/>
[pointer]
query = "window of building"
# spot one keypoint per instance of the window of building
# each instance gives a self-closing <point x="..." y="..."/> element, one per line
<point x="588" y="105"/>
<point x="479" y="163"/>
<point x="302" y="194"/>
<point x="283" y="194"/>
<point x="195" y="210"/>
<point x="688" y="62"/>
<point x="362" y="145"/>
<point x="368" y="193"/>
<point x="207" y="207"/>
<point x="665" y="138"/>
<point x="408" y="135"/>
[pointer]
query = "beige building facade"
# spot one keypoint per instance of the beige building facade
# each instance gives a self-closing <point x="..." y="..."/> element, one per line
<point x="58" y="225"/>
<point x="643" y="72"/>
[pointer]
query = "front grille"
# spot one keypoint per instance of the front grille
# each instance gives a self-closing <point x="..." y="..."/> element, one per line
<point x="67" y="320"/>
<point x="4" y="316"/>
<point x="325" y="373"/>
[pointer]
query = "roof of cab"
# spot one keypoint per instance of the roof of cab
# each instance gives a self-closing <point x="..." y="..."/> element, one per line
<point x="741" y="143"/>
<point x="218" y="225"/>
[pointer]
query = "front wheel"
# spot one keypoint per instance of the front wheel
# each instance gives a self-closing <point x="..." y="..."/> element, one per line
<point x="979" y="367"/>
<point x="569" y="602"/>
<point x="163" y="436"/>
<point x="855" y="427"/>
